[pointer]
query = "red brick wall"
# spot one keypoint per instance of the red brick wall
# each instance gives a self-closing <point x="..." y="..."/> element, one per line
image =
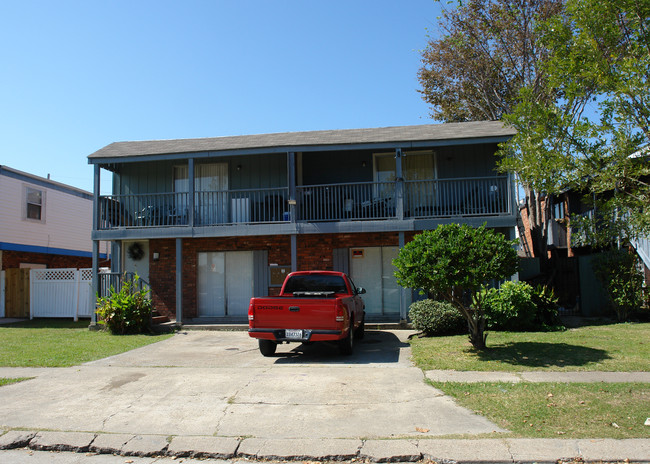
<point x="314" y="252"/>
<point x="162" y="273"/>
<point x="13" y="259"/>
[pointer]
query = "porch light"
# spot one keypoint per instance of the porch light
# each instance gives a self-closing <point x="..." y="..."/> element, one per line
<point x="156" y="256"/>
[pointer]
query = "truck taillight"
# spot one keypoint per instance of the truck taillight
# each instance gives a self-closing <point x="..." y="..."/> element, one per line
<point x="340" y="313"/>
<point x="251" y="313"/>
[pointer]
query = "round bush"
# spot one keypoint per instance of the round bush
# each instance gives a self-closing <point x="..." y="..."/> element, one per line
<point x="511" y="307"/>
<point x="437" y="318"/>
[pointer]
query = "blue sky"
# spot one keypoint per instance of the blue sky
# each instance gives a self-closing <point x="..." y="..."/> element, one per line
<point x="78" y="75"/>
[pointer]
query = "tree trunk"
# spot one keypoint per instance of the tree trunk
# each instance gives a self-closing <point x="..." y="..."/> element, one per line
<point x="477" y="335"/>
<point x="538" y="216"/>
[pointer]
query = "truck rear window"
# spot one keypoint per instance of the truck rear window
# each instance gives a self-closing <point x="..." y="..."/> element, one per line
<point x="315" y="283"/>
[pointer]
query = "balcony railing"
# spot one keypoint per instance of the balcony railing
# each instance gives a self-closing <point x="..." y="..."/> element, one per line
<point x="210" y="208"/>
<point x="484" y="196"/>
<point x="335" y="202"/>
<point x="314" y="203"/>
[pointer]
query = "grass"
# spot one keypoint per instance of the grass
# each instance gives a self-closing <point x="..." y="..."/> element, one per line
<point x="614" y="347"/>
<point x="62" y="343"/>
<point x="559" y="410"/>
<point x="10" y="381"/>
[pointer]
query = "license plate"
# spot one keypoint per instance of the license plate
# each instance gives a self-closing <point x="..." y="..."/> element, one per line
<point x="293" y="334"/>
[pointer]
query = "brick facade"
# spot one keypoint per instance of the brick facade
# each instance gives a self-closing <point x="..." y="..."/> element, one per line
<point x="313" y="252"/>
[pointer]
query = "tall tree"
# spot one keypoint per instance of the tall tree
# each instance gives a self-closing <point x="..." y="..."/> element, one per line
<point x="600" y="51"/>
<point x="488" y="51"/>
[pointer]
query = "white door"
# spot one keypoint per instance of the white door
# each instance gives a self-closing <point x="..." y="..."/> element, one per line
<point x="239" y="282"/>
<point x="211" y="285"/>
<point x="372" y="269"/>
<point x="225" y="283"/>
<point x="136" y="258"/>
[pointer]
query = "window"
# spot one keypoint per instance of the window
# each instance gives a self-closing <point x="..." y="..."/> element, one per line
<point x="34" y="204"/>
<point x="558" y="210"/>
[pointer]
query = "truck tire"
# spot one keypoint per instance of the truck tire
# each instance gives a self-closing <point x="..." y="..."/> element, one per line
<point x="361" y="330"/>
<point x="346" y="344"/>
<point x="267" y="347"/>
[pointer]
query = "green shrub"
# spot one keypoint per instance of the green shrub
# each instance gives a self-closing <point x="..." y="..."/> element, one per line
<point x="437" y="318"/>
<point x="547" y="316"/>
<point x="518" y="307"/>
<point x="510" y="307"/>
<point x="617" y="271"/>
<point x="127" y="311"/>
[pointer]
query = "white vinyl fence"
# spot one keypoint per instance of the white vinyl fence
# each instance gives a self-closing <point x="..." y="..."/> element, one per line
<point x="61" y="293"/>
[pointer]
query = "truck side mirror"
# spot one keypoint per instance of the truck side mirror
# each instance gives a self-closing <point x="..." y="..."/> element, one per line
<point x="361" y="290"/>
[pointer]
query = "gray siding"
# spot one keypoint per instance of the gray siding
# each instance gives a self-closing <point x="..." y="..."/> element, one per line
<point x="336" y="167"/>
<point x="466" y="161"/>
<point x="260" y="273"/>
<point x="341" y="262"/>
<point x="266" y="171"/>
<point x="244" y="172"/>
<point x="138" y="178"/>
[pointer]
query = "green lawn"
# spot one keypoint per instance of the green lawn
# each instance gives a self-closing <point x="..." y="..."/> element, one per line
<point x="559" y="410"/>
<point x="62" y="343"/>
<point x="614" y="347"/>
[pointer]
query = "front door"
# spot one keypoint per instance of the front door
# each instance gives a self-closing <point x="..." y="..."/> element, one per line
<point x="372" y="269"/>
<point x="136" y="258"/>
<point x="225" y="283"/>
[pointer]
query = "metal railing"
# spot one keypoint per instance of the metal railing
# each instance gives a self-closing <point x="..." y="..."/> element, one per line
<point x="327" y="202"/>
<point x="210" y="208"/>
<point x="484" y="196"/>
<point x="358" y="201"/>
<point x="143" y="210"/>
<point x="115" y="280"/>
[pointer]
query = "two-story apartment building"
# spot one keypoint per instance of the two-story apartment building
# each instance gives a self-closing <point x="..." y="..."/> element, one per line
<point x="211" y="222"/>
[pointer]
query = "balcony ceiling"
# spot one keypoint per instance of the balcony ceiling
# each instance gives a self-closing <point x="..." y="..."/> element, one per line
<point x="401" y="136"/>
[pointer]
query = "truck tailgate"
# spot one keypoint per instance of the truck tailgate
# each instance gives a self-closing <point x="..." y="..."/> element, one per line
<point x="294" y="313"/>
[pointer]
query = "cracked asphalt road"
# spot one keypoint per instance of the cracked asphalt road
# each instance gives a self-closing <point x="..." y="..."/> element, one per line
<point x="218" y="384"/>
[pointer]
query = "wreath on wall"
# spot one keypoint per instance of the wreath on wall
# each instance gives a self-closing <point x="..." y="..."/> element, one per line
<point x="135" y="251"/>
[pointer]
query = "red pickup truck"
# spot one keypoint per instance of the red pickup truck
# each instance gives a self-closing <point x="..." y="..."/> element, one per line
<point x="313" y="306"/>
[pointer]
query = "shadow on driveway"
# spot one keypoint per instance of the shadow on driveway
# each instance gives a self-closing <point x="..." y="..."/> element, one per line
<point x="377" y="347"/>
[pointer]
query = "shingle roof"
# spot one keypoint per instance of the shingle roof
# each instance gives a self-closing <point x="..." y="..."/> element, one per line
<point x="289" y="140"/>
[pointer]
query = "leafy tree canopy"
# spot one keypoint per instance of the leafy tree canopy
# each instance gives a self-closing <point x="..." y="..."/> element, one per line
<point x="488" y="51"/>
<point x="599" y="55"/>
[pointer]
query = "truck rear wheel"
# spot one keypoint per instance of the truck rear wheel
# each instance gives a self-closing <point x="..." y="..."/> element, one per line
<point x="361" y="330"/>
<point x="267" y="347"/>
<point x="346" y="344"/>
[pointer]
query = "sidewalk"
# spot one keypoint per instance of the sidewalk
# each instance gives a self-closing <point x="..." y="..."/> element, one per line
<point x="537" y="376"/>
<point x="507" y="450"/>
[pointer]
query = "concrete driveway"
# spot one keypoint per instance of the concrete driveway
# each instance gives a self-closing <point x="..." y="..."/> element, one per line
<point x="217" y="384"/>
